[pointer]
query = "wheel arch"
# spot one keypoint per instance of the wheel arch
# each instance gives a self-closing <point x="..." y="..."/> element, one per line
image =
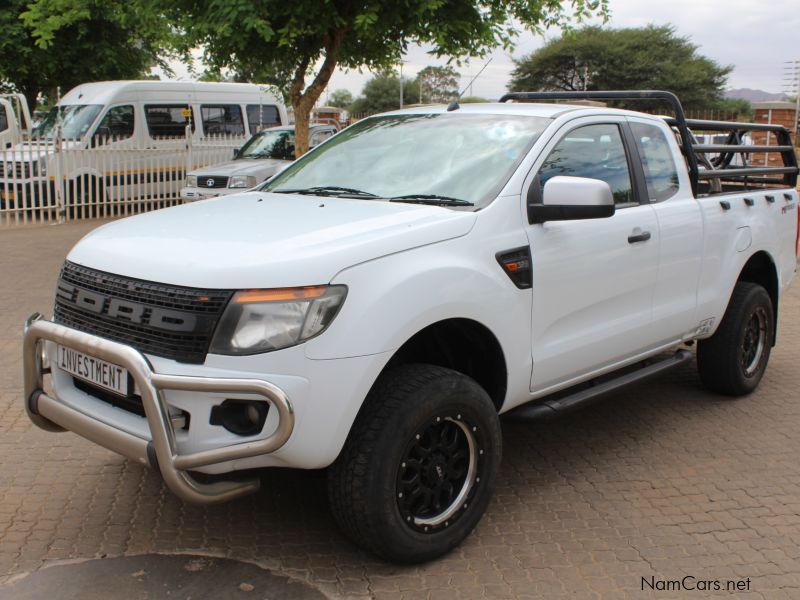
<point x="461" y="344"/>
<point x="760" y="269"/>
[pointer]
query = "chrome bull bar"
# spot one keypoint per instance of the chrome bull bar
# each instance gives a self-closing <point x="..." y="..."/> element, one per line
<point x="159" y="452"/>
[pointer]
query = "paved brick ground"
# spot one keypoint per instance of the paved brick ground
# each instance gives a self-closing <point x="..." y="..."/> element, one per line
<point x="662" y="480"/>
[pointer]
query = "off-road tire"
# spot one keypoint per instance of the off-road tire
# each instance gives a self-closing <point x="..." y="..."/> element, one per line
<point x="408" y="409"/>
<point x="728" y="361"/>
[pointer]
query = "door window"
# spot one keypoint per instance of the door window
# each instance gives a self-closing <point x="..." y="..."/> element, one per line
<point x="165" y="121"/>
<point x="660" y="172"/>
<point x="3" y="118"/>
<point x="596" y="152"/>
<point x="222" y="119"/>
<point x="262" y="116"/>
<point x="117" y="124"/>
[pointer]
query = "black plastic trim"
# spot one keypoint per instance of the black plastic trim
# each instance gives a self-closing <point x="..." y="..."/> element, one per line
<point x="524" y="280"/>
<point x="33" y="402"/>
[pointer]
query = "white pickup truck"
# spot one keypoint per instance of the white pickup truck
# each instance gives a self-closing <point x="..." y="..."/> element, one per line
<point x="378" y="305"/>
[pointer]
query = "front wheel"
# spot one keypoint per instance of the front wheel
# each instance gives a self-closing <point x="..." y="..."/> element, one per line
<point x="416" y="473"/>
<point x="733" y="360"/>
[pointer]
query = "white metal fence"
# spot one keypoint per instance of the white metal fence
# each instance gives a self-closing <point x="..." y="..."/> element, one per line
<point x="44" y="181"/>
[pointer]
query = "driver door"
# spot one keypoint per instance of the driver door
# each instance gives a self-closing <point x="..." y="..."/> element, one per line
<point x="593" y="279"/>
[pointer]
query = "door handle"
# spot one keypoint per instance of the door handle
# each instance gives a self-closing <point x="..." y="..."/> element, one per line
<point x="635" y="237"/>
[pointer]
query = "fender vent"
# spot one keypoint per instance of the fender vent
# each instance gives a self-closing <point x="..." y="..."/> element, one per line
<point x="517" y="265"/>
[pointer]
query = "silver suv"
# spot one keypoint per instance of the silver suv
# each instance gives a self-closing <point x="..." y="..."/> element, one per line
<point x="263" y="155"/>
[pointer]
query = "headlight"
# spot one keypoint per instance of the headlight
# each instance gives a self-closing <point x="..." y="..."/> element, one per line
<point x="264" y="320"/>
<point x="242" y="181"/>
<point x="191" y="181"/>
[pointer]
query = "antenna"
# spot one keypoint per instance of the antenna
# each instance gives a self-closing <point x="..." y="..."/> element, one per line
<point x="469" y="85"/>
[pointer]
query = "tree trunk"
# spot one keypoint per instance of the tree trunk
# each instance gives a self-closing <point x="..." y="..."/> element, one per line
<point x="302" y="118"/>
<point x="303" y="101"/>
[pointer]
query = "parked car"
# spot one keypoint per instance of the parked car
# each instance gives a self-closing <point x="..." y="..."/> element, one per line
<point x="376" y="306"/>
<point x="264" y="154"/>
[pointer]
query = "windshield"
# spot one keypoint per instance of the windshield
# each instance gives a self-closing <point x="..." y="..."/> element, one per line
<point x="270" y="144"/>
<point x="76" y="119"/>
<point x="463" y="156"/>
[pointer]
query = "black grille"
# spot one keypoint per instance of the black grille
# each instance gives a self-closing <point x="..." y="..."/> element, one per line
<point x="84" y="297"/>
<point x="212" y="181"/>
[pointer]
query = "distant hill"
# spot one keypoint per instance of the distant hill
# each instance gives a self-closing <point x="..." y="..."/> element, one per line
<point x="753" y="95"/>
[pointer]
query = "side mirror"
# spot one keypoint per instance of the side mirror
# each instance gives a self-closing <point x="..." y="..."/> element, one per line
<point x="570" y="199"/>
<point x="236" y="153"/>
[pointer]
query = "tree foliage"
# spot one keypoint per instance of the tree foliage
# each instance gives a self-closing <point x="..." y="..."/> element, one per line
<point x="289" y="43"/>
<point x="46" y="44"/>
<point x="340" y="98"/>
<point x="596" y="58"/>
<point x="438" y="84"/>
<point x="471" y="99"/>
<point x="382" y="93"/>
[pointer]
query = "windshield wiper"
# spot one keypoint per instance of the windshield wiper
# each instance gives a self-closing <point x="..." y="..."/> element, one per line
<point x="328" y="190"/>
<point x="433" y="199"/>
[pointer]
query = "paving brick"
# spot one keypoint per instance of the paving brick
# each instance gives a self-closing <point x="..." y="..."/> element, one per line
<point x="662" y="479"/>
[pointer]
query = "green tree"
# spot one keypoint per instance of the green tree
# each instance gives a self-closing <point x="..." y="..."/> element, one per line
<point x="297" y="45"/>
<point x="382" y="93"/>
<point x="596" y="58"/>
<point x="737" y="106"/>
<point x="46" y="44"/>
<point x="471" y="99"/>
<point x="340" y="98"/>
<point x="438" y="84"/>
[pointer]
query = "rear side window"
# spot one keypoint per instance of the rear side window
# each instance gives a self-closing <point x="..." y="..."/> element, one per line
<point x="659" y="165"/>
<point x="222" y="119"/>
<point x="118" y="123"/>
<point x="262" y="116"/>
<point x="3" y="118"/>
<point x="596" y="152"/>
<point x="170" y="120"/>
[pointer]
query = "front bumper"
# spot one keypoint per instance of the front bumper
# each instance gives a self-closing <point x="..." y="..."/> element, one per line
<point x="160" y="451"/>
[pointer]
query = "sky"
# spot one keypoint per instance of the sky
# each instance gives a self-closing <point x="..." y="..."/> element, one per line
<point x="756" y="37"/>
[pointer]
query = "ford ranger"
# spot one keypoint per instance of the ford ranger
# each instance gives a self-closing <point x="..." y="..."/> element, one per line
<point x="374" y="308"/>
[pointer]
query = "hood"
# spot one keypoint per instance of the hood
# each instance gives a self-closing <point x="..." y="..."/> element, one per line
<point x="263" y="240"/>
<point x="260" y="167"/>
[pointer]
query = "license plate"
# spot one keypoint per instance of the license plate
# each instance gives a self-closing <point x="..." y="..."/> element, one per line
<point x="98" y="372"/>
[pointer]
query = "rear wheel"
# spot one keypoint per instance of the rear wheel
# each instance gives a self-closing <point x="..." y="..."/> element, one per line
<point x="416" y="473"/>
<point x="734" y="359"/>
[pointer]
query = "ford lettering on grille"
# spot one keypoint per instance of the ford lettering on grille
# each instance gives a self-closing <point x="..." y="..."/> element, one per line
<point x="116" y="308"/>
<point x="171" y="321"/>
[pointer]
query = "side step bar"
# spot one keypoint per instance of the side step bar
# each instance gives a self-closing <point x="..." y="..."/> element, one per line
<point x="541" y="410"/>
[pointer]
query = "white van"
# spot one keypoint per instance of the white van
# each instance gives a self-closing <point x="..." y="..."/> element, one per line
<point x="124" y="140"/>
